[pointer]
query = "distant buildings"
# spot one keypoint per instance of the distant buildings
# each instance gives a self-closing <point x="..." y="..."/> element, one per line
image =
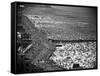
<point x="44" y="21"/>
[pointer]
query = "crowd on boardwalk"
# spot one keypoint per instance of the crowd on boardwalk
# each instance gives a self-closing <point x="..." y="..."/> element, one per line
<point x="82" y="53"/>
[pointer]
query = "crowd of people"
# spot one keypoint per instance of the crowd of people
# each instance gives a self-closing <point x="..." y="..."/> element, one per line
<point x="82" y="53"/>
